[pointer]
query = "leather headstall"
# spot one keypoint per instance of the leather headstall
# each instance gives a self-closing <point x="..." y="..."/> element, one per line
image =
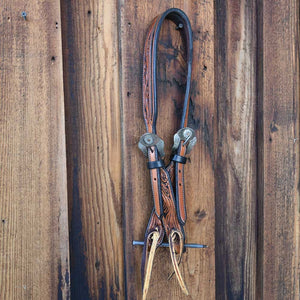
<point x="169" y="214"/>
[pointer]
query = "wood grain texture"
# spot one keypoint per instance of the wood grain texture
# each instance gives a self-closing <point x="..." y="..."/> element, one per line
<point x="34" y="256"/>
<point x="198" y="266"/>
<point x="278" y="143"/>
<point x="91" y="65"/>
<point x="235" y="83"/>
<point x="81" y="62"/>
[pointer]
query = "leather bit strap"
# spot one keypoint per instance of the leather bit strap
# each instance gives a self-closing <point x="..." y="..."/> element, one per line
<point x="184" y="140"/>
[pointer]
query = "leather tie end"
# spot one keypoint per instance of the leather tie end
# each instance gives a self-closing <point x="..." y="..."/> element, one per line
<point x="155" y="237"/>
<point x="173" y="239"/>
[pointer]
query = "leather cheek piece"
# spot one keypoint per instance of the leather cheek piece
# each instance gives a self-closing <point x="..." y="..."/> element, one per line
<point x="180" y="198"/>
<point x="156" y="190"/>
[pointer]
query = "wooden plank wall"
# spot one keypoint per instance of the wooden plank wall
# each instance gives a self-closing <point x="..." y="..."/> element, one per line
<point x="34" y="255"/>
<point x="278" y="144"/>
<point x="74" y="188"/>
<point x="91" y="76"/>
<point x="235" y="85"/>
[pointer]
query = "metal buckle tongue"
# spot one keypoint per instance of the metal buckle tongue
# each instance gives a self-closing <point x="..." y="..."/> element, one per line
<point x="148" y="140"/>
<point x="187" y="135"/>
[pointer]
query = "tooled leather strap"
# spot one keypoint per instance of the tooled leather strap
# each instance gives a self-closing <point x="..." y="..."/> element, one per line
<point x="150" y="116"/>
<point x="150" y="110"/>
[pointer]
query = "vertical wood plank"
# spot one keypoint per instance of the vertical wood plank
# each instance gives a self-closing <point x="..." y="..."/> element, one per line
<point x="278" y="142"/>
<point x="34" y="259"/>
<point x="236" y="149"/>
<point x="91" y="65"/>
<point x="198" y="265"/>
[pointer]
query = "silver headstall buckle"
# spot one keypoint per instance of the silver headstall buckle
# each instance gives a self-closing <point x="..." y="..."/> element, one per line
<point x="148" y="140"/>
<point x="187" y="135"/>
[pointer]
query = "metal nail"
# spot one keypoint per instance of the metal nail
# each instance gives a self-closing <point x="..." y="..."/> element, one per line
<point x="180" y="26"/>
<point x="24" y="15"/>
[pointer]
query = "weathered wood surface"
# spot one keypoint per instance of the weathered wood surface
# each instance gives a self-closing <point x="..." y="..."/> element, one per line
<point x="91" y="78"/>
<point x="198" y="265"/>
<point x="243" y="174"/>
<point x="235" y="85"/>
<point x="278" y="144"/>
<point x="34" y="255"/>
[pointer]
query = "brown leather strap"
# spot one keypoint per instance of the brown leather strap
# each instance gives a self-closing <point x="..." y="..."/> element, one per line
<point x="150" y="114"/>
